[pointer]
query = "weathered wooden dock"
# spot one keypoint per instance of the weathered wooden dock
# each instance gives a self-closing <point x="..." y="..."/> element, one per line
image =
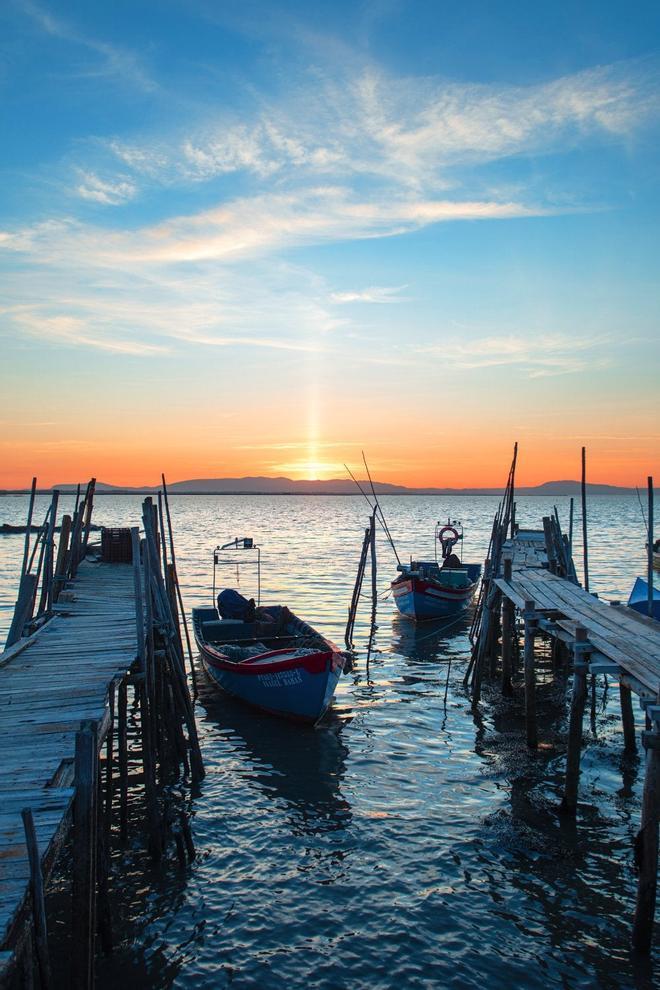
<point x="531" y="594"/>
<point x="102" y="630"/>
<point x="52" y="682"/>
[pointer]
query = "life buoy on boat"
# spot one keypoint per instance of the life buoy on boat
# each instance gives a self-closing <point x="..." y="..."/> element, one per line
<point x="442" y="535"/>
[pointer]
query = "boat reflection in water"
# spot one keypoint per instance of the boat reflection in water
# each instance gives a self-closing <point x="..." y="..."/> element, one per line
<point x="440" y="639"/>
<point x="295" y="764"/>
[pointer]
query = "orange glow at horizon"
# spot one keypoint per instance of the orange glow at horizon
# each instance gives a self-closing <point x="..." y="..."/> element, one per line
<point x="141" y="463"/>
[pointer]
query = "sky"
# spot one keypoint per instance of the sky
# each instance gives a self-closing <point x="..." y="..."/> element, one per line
<point x="257" y="238"/>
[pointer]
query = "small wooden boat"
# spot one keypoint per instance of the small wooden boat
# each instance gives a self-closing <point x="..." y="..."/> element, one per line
<point x="431" y="589"/>
<point x="639" y="598"/>
<point x="267" y="656"/>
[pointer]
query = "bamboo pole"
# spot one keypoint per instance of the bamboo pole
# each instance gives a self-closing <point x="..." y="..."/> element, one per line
<point x="585" y="547"/>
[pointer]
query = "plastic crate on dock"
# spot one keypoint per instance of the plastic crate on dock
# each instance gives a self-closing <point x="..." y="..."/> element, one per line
<point x="116" y="546"/>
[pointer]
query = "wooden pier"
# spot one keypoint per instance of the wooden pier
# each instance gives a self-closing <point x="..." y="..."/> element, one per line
<point x="106" y="631"/>
<point x="531" y="594"/>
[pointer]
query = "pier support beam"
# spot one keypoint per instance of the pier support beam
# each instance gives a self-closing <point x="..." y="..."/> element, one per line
<point x="578" y="701"/>
<point x="531" y="625"/>
<point x="84" y="859"/>
<point x="627" y="718"/>
<point x="508" y="629"/>
<point x="646" y="850"/>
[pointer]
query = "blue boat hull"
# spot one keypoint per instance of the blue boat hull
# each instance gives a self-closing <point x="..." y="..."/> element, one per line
<point x="639" y="599"/>
<point x="294" y="693"/>
<point x="423" y="600"/>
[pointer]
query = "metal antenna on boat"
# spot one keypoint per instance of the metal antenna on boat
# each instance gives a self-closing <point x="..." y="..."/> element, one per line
<point x="382" y="517"/>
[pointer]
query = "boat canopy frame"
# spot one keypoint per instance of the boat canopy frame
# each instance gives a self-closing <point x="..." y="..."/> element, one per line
<point x="239" y="543"/>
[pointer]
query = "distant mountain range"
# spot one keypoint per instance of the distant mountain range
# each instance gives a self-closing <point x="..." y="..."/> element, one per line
<point x="338" y="486"/>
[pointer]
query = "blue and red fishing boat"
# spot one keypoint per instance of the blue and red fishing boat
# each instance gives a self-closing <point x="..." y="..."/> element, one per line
<point x="431" y="589"/>
<point x="266" y="655"/>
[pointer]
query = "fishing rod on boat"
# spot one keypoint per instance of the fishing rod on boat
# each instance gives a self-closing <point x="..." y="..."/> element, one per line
<point x="382" y="515"/>
<point x="374" y="508"/>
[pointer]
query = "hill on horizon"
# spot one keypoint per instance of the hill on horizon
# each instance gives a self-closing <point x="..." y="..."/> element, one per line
<point x="261" y="485"/>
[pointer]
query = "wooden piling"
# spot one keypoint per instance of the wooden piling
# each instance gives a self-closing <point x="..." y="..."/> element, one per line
<point x="38" y="901"/>
<point x="122" y="757"/>
<point x="26" y="545"/>
<point x="59" y="578"/>
<point x="646" y="850"/>
<point x="530" y="674"/>
<point x="508" y="629"/>
<point x="649" y="550"/>
<point x="374" y="581"/>
<point x="357" y="589"/>
<point x="627" y="718"/>
<point x="585" y="545"/>
<point x="578" y="702"/>
<point x="83" y="921"/>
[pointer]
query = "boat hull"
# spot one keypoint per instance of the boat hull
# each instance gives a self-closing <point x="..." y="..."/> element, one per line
<point x="423" y="600"/>
<point x="639" y="599"/>
<point x="295" y="687"/>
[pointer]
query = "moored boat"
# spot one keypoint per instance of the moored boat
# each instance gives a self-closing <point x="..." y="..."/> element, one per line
<point x="431" y="589"/>
<point x="639" y="598"/>
<point x="267" y="656"/>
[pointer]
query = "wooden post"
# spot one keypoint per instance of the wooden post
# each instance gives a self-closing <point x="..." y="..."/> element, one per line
<point x="570" y="527"/>
<point x="585" y="548"/>
<point x="83" y="923"/>
<point x="530" y="674"/>
<point x="59" y="577"/>
<point x="26" y="546"/>
<point x="494" y="631"/>
<point x="122" y="756"/>
<point x="508" y="626"/>
<point x="38" y="902"/>
<point x="627" y="718"/>
<point x="23" y="610"/>
<point x="646" y="851"/>
<point x="193" y="675"/>
<point x="649" y="558"/>
<point x="579" y="698"/>
<point x="46" y="599"/>
<point x="357" y="589"/>
<point x="374" y="584"/>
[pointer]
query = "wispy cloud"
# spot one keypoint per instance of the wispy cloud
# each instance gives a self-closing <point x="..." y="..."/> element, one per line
<point x="109" y="193"/>
<point x="410" y="132"/>
<point x="253" y="226"/>
<point x="539" y="355"/>
<point x="374" y="294"/>
<point x="109" y="60"/>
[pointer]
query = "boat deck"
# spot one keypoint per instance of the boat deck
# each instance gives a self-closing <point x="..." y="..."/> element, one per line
<point x="51" y="682"/>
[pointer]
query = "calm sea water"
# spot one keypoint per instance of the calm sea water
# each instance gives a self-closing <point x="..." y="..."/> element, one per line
<point x="406" y="841"/>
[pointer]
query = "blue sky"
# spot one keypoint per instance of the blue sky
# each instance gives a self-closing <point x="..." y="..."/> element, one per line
<point x="328" y="225"/>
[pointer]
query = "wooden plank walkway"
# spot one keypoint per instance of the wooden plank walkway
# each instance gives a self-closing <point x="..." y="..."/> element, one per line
<point x="50" y="683"/>
<point x="618" y="633"/>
